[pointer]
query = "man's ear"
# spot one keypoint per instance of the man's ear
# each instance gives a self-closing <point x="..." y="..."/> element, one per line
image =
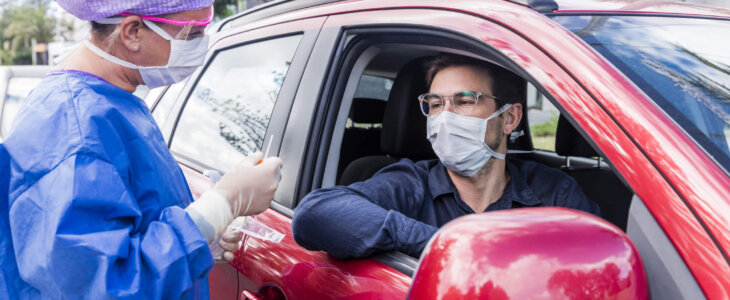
<point x="130" y="34"/>
<point x="511" y="118"/>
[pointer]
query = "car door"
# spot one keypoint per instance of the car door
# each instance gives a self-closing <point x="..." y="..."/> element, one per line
<point x="286" y="269"/>
<point x="533" y="47"/>
<point x="240" y="101"/>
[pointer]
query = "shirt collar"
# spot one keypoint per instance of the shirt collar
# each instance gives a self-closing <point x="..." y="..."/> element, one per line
<point x="439" y="182"/>
<point x="517" y="190"/>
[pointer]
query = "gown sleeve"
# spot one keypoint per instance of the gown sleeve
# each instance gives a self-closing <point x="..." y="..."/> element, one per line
<point x="77" y="234"/>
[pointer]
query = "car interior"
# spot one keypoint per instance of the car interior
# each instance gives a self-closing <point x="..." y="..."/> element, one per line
<point x="380" y="132"/>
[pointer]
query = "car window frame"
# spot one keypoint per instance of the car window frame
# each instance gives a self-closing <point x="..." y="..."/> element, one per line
<point x="322" y="148"/>
<point x="323" y="130"/>
<point x="282" y="106"/>
<point x="267" y="135"/>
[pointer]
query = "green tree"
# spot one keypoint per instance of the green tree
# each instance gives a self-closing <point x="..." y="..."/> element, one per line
<point x="21" y="25"/>
<point x="224" y="8"/>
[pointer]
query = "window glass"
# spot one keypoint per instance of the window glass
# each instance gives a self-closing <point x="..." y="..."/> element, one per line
<point x="164" y="106"/>
<point x="682" y="64"/>
<point x="228" y="111"/>
<point x="543" y="119"/>
<point x="18" y="90"/>
<point x="374" y="87"/>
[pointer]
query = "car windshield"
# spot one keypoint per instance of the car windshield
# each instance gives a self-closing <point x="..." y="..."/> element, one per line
<point x="682" y="64"/>
<point x="18" y="89"/>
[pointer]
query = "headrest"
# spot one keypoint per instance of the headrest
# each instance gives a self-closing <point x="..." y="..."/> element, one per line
<point x="568" y="142"/>
<point x="404" y="127"/>
<point x="367" y="110"/>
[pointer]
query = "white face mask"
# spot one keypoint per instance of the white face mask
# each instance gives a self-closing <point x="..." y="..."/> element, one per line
<point x="185" y="57"/>
<point x="459" y="141"/>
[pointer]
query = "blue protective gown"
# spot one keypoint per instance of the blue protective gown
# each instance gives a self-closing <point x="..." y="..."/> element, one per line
<point x="91" y="200"/>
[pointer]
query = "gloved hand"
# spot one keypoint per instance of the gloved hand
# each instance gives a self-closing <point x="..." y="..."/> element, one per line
<point x="225" y="246"/>
<point x="249" y="187"/>
<point x="230" y="242"/>
<point x="246" y="189"/>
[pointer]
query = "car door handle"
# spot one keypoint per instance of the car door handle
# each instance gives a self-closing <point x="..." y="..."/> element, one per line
<point x="247" y="295"/>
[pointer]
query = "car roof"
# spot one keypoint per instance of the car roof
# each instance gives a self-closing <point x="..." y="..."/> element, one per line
<point x="691" y="7"/>
<point x="279" y="7"/>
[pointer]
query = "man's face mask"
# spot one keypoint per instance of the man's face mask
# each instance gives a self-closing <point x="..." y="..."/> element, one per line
<point x="458" y="140"/>
<point x="188" y="47"/>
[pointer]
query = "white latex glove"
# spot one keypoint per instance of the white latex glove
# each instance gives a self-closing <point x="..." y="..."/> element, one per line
<point x="249" y="187"/>
<point x="225" y="246"/>
<point x="246" y="189"/>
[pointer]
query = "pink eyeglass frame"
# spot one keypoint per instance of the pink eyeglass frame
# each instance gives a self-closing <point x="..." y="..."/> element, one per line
<point x="175" y="22"/>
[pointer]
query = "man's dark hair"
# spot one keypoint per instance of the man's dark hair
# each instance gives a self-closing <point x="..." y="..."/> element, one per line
<point x="506" y="86"/>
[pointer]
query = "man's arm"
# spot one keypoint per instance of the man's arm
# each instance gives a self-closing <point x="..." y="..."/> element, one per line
<point x="378" y="214"/>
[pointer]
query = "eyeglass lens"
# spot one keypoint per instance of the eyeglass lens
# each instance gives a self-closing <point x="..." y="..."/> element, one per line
<point x="462" y="103"/>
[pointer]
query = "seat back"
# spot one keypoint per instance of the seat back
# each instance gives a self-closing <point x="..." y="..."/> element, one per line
<point x="362" y="137"/>
<point x="403" y="134"/>
<point x="597" y="181"/>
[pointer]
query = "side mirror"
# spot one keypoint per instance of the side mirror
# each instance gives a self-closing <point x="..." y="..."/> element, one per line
<point x="530" y="253"/>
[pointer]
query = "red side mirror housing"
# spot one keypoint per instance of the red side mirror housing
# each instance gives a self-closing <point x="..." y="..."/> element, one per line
<point x="530" y="253"/>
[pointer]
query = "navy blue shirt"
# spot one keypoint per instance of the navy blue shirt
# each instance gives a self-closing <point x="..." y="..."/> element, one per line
<point x="404" y="204"/>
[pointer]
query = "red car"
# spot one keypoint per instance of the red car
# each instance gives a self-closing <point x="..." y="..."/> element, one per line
<point x="632" y="99"/>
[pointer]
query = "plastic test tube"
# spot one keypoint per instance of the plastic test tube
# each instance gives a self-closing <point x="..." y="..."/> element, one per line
<point x="268" y="147"/>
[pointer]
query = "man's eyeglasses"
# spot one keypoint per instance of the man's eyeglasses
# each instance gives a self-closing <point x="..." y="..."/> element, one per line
<point x="463" y="103"/>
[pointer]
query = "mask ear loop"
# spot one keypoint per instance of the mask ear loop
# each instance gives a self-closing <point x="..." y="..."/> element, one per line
<point x="161" y="32"/>
<point x="89" y="45"/>
<point x="504" y="108"/>
<point x="500" y="111"/>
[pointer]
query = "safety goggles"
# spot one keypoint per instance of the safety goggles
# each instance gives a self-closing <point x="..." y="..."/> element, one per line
<point x="182" y="29"/>
<point x="463" y="103"/>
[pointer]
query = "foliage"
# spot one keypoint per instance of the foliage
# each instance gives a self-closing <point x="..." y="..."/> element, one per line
<point x="22" y="24"/>
<point x="543" y="135"/>
<point x="224" y="8"/>
<point x="545" y="129"/>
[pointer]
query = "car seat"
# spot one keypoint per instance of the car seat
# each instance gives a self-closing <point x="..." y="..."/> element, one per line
<point x="403" y="134"/>
<point x="597" y="181"/>
<point x="362" y="138"/>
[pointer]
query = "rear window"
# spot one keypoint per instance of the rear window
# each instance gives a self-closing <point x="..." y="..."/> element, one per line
<point x="682" y="64"/>
<point x="374" y="87"/>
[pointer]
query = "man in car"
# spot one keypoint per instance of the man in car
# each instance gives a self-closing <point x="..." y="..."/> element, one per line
<point x="471" y="108"/>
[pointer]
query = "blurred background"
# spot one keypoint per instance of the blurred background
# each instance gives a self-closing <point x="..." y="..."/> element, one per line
<point x="33" y="32"/>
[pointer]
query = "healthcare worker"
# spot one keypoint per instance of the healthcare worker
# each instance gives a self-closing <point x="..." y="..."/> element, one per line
<point x="92" y="203"/>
